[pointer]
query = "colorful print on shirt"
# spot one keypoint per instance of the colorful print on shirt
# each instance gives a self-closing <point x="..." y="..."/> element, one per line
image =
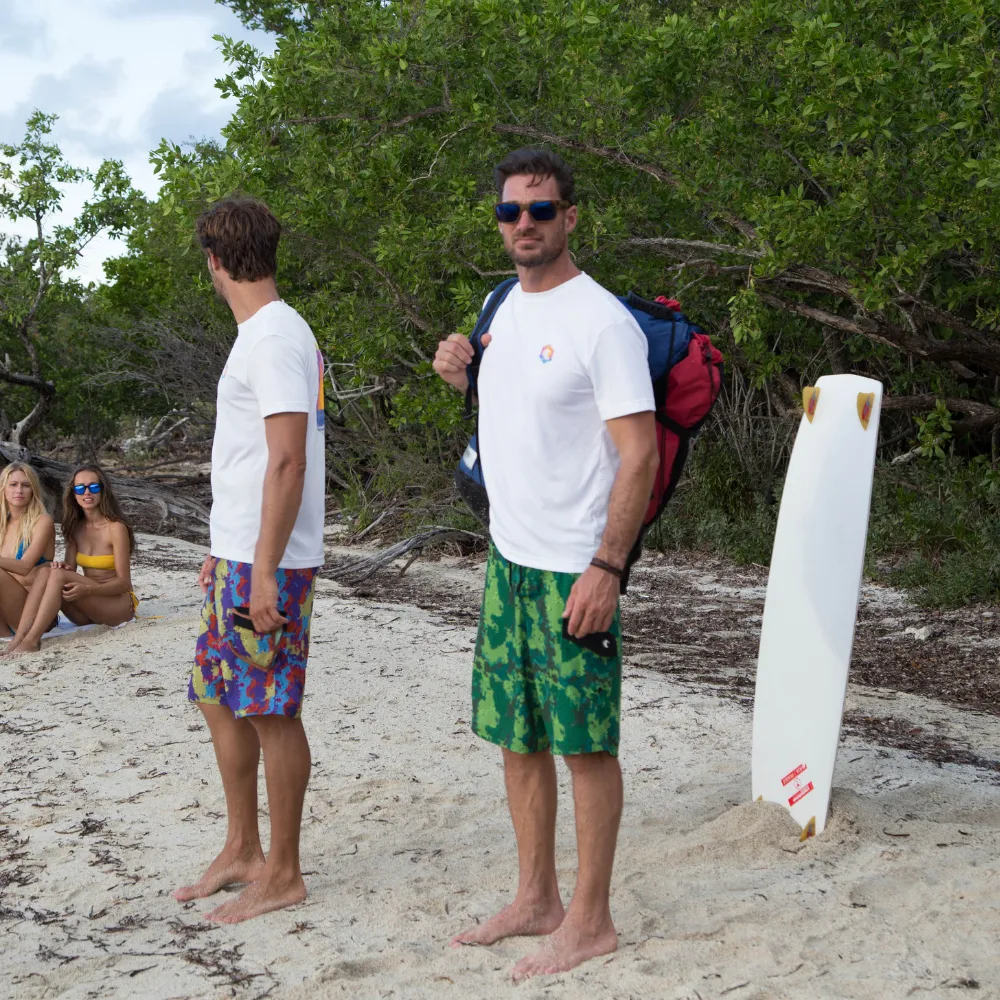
<point x="321" y="397"/>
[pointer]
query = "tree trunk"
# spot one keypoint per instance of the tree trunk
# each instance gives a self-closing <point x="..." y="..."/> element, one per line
<point x="20" y="431"/>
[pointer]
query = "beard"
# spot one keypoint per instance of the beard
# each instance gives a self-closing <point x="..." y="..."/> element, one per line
<point x="541" y="255"/>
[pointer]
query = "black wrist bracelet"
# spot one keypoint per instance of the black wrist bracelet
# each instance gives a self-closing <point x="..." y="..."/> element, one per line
<point x="607" y="567"/>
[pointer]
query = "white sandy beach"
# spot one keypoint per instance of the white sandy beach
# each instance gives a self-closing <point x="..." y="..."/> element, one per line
<point x="109" y="799"/>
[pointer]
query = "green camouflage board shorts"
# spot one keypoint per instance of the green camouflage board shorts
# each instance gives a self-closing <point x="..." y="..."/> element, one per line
<point x="533" y="690"/>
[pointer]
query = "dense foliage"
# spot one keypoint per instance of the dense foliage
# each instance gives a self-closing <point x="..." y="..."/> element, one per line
<point x="815" y="180"/>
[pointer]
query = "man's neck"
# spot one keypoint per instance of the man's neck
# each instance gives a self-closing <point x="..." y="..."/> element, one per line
<point x="549" y="276"/>
<point x="248" y="297"/>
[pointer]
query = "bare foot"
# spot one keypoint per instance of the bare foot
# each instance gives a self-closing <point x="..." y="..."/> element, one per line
<point x="267" y="894"/>
<point x="516" y="920"/>
<point x="11" y="647"/>
<point x="229" y="868"/>
<point x="567" y="948"/>
<point x="22" y="648"/>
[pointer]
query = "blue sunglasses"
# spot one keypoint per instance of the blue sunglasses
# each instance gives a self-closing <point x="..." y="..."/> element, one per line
<point x="541" y="211"/>
<point x="80" y="488"/>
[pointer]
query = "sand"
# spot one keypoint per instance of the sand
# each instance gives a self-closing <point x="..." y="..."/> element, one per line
<point x="109" y="799"/>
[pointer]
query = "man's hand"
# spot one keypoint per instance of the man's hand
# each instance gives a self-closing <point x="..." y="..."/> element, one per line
<point x="592" y="602"/>
<point x="76" y="589"/>
<point x="452" y="358"/>
<point x="264" y="602"/>
<point x="205" y="574"/>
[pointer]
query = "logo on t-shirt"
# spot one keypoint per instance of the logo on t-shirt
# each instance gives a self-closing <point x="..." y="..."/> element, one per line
<point x="545" y="354"/>
<point x="321" y="397"/>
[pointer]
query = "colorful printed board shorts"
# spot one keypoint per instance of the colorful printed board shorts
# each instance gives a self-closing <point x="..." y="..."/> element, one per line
<point x="252" y="674"/>
<point x="532" y="689"/>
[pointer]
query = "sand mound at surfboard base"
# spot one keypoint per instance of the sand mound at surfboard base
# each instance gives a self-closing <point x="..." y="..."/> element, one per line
<point x="754" y="830"/>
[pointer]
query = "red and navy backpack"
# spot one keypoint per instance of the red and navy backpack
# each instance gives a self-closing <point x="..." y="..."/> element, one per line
<point x="686" y="370"/>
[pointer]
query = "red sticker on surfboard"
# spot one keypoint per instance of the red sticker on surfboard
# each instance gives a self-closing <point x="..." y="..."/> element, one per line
<point x="866" y="401"/>
<point x="800" y="794"/>
<point x="792" y="775"/>
<point x="810" y="397"/>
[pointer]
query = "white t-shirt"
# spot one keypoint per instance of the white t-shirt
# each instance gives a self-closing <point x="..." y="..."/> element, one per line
<point x="274" y="367"/>
<point x="560" y="364"/>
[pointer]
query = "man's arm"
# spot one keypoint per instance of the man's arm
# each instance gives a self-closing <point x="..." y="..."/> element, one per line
<point x="283" y="482"/>
<point x="594" y="597"/>
<point x="635" y="438"/>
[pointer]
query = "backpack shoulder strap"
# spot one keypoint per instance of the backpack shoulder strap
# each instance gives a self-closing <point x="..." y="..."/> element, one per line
<point x="493" y="303"/>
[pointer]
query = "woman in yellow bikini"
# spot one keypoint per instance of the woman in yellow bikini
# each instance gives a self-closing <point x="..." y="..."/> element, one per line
<point x="100" y="542"/>
<point x="27" y="540"/>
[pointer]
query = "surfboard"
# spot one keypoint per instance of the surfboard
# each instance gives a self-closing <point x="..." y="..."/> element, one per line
<point x="811" y="605"/>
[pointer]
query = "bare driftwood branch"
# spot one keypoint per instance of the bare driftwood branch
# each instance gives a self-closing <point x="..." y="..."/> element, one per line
<point x="46" y="393"/>
<point x="356" y="571"/>
<point x="805" y="278"/>
<point x="703" y="246"/>
<point x="31" y="381"/>
<point x="980" y="415"/>
<point x="437" y="156"/>
<point x="881" y="331"/>
<point x="944" y="317"/>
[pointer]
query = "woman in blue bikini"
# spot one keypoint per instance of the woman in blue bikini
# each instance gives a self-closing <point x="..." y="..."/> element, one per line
<point x="27" y="540"/>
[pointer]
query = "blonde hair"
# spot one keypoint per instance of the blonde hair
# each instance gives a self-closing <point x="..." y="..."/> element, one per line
<point x="29" y="519"/>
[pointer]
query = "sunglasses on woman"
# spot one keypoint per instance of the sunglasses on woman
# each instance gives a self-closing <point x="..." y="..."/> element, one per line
<point x="80" y="488"/>
<point x="541" y="211"/>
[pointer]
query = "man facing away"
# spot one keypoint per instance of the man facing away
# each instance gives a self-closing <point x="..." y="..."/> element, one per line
<point x="268" y="489"/>
<point x="568" y="443"/>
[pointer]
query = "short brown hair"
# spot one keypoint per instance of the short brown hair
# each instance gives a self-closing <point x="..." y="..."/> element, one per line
<point x="540" y="163"/>
<point x="243" y="233"/>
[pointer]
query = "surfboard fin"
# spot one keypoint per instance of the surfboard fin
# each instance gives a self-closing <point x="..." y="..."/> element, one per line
<point x="866" y="403"/>
<point x="809" y="830"/>
<point x="810" y="397"/>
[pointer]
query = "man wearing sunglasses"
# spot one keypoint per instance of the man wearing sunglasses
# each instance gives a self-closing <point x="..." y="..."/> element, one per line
<point x="568" y="443"/>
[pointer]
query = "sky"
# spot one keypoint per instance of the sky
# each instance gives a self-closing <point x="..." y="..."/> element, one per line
<point x="121" y="75"/>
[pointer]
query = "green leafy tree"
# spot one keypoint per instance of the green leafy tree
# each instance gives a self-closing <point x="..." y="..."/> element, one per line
<point x="35" y="293"/>
<point x="817" y="177"/>
<point x="814" y="180"/>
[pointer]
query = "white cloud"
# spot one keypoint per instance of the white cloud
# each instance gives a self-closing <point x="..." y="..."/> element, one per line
<point x="121" y="75"/>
